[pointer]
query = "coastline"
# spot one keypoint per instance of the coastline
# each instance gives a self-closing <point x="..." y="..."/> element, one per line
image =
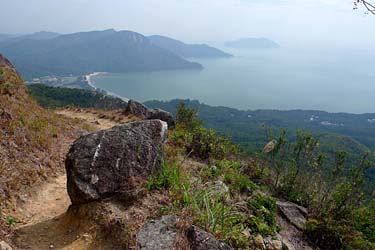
<point x="90" y="83"/>
<point x="89" y="76"/>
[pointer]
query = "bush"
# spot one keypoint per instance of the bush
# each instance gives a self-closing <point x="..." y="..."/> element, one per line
<point x="198" y="141"/>
<point x="263" y="218"/>
<point x="207" y="144"/>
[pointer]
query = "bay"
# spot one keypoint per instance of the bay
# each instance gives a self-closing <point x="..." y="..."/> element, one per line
<point x="283" y="79"/>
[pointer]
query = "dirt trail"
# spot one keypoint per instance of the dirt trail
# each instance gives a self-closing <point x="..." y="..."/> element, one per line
<point x="50" y="201"/>
<point x="97" y="119"/>
<point x="42" y="219"/>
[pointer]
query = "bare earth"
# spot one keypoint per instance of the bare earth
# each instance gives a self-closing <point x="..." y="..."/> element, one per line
<point x="42" y="222"/>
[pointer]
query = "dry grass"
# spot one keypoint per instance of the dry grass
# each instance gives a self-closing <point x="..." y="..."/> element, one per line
<point x="33" y="143"/>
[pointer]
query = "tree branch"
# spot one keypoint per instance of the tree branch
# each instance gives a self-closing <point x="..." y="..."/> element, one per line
<point x="370" y="8"/>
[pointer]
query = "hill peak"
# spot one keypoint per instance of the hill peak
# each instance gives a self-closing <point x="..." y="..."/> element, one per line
<point x="5" y="62"/>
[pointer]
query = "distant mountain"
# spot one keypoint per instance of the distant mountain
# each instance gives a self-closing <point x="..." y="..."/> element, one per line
<point x="11" y="38"/>
<point x="253" y="43"/>
<point x="40" y="35"/>
<point x="85" y="52"/>
<point x="187" y="50"/>
<point x="4" y="37"/>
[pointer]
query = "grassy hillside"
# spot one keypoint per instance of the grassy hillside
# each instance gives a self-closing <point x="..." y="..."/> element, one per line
<point x="32" y="140"/>
<point x="352" y="133"/>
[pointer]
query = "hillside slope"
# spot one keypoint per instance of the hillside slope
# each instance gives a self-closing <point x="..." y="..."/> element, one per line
<point x="33" y="141"/>
<point x="58" y="97"/>
<point x="187" y="50"/>
<point x="86" y="52"/>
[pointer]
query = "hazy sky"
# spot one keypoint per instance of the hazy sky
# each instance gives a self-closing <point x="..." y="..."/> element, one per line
<point x="291" y="22"/>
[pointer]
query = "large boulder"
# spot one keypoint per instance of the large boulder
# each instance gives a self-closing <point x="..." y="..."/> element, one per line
<point x="102" y="164"/>
<point x="202" y="240"/>
<point x="145" y="113"/>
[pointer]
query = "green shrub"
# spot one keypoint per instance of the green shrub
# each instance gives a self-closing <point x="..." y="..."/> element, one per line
<point x="364" y="221"/>
<point x="263" y="218"/>
<point x="10" y="221"/>
<point x="187" y="118"/>
<point x="169" y="176"/>
<point x="238" y="181"/>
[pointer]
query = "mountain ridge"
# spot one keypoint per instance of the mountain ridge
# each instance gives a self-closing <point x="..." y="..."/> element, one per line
<point x="85" y="52"/>
<point x="187" y="50"/>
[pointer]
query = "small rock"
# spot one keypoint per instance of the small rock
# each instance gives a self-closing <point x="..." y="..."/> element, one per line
<point x="218" y="188"/>
<point x="259" y="243"/>
<point x="202" y="240"/>
<point x="274" y="245"/>
<point x="158" y="234"/>
<point x="4" y="246"/>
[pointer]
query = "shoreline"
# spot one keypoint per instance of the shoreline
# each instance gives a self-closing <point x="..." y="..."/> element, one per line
<point x="89" y="76"/>
<point x="90" y="83"/>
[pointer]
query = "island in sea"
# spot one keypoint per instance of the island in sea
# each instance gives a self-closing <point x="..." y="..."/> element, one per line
<point x="253" y="43"/>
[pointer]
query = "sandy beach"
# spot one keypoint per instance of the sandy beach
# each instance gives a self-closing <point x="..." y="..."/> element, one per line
<point x="89" y="76"/>
<point x="89" y="82"/>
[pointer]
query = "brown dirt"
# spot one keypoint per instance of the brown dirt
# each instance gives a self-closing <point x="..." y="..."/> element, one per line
<point x="99" y="119"/>
<point x="42" y="220"/>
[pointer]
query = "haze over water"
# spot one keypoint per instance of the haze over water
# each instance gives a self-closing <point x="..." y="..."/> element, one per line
<point x="334" y="81"/>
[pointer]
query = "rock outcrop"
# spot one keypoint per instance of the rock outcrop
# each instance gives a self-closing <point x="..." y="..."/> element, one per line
<point x="161" y="234"/>
<point x="101" y="164"/>
<point x="5" y="62"/>
<point x="158" y="234"/>
<point x="202" y="240"/>
<point x="295" y="214"/>
<point x="145" y="113"/>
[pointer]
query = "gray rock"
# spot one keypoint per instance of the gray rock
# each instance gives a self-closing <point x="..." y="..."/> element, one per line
<point x="138" y="109"/>
<point x="295" y="214"/>
<point x="101" y="164"/>
<point x="259" y="242"/>
<point x="201" y="240"/>
<point x="158" y="234"/>
<point x="145" y="113"/>
<point x="4" y="246"/>
<point x="163" y="115"/>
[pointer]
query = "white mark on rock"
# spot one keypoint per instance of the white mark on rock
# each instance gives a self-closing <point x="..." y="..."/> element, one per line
<point x="97" y="151"/>
<point x="118" y="163"/>
<point x="94" y="179"/>
<point x="164" y="128"/>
